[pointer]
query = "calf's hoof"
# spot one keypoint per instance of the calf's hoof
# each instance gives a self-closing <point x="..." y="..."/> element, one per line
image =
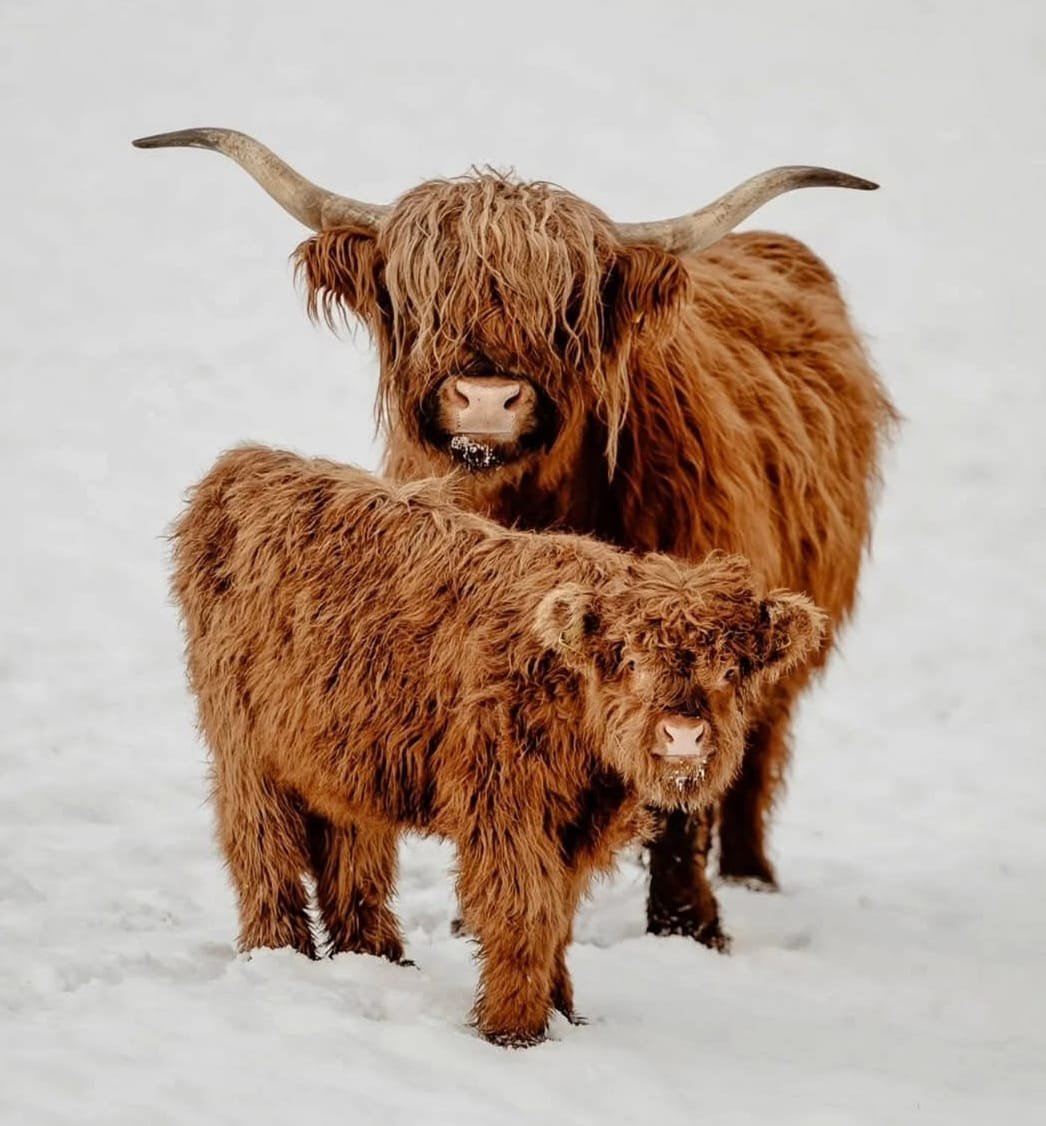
<point x="512" y="1038"/>
<point x="566" y="1009"/>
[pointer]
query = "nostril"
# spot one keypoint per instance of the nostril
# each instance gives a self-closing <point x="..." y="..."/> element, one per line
<point x="461" y="390"/>
<point x="683" y="737"/>
<point x="513" y="397"/>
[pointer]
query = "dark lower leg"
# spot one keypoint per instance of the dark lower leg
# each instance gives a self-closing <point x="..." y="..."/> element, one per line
<point x="681" y="900"/>
<point x="355" y="870"/>
<point x="744" y="811"/>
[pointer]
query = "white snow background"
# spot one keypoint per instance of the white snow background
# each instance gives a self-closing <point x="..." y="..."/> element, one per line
<point x="148" y="321"/>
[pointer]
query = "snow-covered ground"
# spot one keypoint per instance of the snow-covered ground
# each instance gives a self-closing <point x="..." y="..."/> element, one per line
<point x="147" y="320"/>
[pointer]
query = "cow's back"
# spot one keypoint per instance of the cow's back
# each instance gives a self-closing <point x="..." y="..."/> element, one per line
<point x="756" y="427"/>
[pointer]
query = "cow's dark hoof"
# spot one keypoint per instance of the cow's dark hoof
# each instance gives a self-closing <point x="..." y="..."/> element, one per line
<point x="752" y="883"/>
<point x="709" y="933"/>
<point x="747" y="870"/>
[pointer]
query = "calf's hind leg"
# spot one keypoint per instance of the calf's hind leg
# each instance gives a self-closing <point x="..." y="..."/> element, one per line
<point x="562" y="984"/>
<point x="261" y="831"/>
<point x="355" y="870"/>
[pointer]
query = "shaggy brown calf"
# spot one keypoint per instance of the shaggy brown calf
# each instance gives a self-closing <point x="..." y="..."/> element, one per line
<point x="657" y="385"/>
<point x="369" y="659"/>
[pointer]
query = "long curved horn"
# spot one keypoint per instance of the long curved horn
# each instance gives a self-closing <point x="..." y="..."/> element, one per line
<point x="694" y="232"/>
<point x="314" y="206"/>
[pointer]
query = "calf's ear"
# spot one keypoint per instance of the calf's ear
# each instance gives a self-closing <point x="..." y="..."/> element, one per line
<point x="791" y="631"/>
<point x="566" y="622"/>
<point x="343" y="274"/>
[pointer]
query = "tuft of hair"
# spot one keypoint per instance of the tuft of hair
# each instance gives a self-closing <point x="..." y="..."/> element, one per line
<point x="457" y="252"/>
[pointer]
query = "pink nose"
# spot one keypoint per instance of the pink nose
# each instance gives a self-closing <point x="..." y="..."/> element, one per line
<point x="490" y="405"/>
<point x="682" y="738"/>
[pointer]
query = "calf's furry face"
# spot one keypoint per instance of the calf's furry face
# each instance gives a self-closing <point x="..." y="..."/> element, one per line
<point x="672" y="659"/>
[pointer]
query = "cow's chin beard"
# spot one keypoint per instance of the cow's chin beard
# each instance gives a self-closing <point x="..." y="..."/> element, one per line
<point x="483" y="453"/>
<point x="494" y="455"/>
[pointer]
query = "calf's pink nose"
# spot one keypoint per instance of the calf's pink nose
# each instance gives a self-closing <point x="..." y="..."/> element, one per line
<point x="682" y="738"/>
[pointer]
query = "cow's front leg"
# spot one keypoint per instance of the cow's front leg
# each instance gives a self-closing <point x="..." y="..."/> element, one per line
<point x="681" y="900"/>
<point x="512" y="903"/>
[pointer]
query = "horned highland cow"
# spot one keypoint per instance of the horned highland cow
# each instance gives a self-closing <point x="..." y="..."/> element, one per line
<point x="368" y="658"/>
<point x="663" y="386"/>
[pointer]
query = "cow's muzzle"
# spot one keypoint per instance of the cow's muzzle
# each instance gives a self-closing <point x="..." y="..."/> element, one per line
<point x="489" y="406"/>
<point x="490" y="420"/>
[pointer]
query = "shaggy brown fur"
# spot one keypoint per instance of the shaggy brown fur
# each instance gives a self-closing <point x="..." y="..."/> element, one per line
<point x="716" y="401"/>
<point x="369" y="658"/>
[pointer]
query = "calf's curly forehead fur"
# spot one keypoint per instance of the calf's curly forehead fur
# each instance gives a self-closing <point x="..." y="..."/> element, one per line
<point x="369" y="658"/>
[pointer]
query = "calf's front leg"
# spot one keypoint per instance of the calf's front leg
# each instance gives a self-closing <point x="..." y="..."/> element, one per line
<point x="514" y="905"/>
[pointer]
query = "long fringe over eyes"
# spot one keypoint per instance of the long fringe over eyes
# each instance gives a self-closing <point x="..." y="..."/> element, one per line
<point x="475" y="260"/>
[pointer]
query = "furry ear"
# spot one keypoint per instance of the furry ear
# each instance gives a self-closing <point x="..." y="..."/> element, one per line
<point x="792" y="630"/>
<point x="566" y="621"/>
<point x="342" y="271"/>
<point x="645" y="288"/>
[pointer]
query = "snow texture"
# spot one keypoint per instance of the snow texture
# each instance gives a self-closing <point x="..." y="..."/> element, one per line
<point x="148" y="321"/>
